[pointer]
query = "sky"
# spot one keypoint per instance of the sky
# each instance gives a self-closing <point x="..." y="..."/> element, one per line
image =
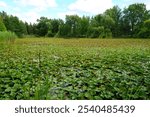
<point x="31" y="10"/>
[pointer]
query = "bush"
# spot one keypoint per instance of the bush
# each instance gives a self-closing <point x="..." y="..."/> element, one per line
<point x="99" y="32"/>
<point x="145" y="30"/>
<point x="50" y="34"/>
<point x="7" y="36"/>
<point x="96" y="32"/>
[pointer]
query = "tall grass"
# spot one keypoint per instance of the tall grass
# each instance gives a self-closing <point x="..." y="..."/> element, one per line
<point x="7" y="36"/>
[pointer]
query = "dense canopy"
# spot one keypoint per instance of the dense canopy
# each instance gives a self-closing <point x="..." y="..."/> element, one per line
<point x="132" y="21"/>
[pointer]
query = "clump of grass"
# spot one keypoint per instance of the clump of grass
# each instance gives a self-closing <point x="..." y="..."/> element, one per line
<point x="7" y="36"/>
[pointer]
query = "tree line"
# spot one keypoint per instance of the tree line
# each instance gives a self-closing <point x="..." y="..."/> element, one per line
<point x="131" y="22"/>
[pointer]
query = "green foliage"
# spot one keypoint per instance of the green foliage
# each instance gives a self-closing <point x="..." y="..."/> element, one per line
<point x="64" y="30"/>
<point x="145" y="30"/>
<point x="42" y="26"/>
<point x="54" y="69"/>
<point x="96" y="32"/>
<point x="50" y="34"/>
<point x="31" y="28"/>
<point x="13" y="24"/>
<point x="72" y="23"/>
<point x="2" y="26"/>
<point x="83" y="26"/>
<point x="112" y="23"/>
<point x="134" y="17"/>
<point x="99" y="32"/>
<point x="116" y="14"/>
<point x="54" y="27"/>
<point x="7" y="36"/>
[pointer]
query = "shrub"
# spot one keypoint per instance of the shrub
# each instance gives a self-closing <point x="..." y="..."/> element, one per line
<point x="145" y="30"/>
<point x="2" y="26"/>
<point x="7" y="36"/>
<point x="50" y="34"/>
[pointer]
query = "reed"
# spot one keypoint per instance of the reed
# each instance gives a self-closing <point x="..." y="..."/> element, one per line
<point x="7" y="36"/>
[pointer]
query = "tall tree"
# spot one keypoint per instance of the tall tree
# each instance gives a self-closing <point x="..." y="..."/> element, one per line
<point x="145" y="30"/>
<point x="134" y="17"/>
<point x="101" y="26"/>
<point x="29" y="28"/>
<point x="16" y="26"/>
<point x="42" y="26"/>
<point x="13" y="24"/>
<point x="116" y="14"/>
<point x="54" y="27"/>
<point x="83" y="26"/>
<point x="72" y="23"/>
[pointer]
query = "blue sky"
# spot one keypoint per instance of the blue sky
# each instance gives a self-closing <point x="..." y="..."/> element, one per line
<point x="31" y="10"/>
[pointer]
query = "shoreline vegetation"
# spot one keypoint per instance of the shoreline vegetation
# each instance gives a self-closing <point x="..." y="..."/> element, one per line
<point x="131" y="22"/>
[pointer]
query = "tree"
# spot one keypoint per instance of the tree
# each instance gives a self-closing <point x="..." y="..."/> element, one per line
<point x="83" y="26"/>
<point x="17" y="26"/>
<point x="108" y="22"/>
<point x="72" y="23"/>
<point x="54" y="25"/>
<point x="29" y="28"/>
<point x="6" y="20"/>
<point x="2" y="26"/>
<point x="133" y="21"/>
<point x="13" y="24"/>
<point x="115" y="14"/>
<point x="101" y="26"/>
<point x="43" y="26"/>
<point x="96" y="32"/>
<point x="23" y="28"/>
<point x="134" y="17"/>
<point x="145" y="30"/>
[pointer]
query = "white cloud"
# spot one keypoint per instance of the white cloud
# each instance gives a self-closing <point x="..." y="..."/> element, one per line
<point x="126" y="3"/>
<point x="30" y="17"/>
<point x="91" y="6"/>
<point x="40" y="4"/>
<point x="148" y="6"/>
<point x="32" y="9"/>
<point x="3" y="4"/>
